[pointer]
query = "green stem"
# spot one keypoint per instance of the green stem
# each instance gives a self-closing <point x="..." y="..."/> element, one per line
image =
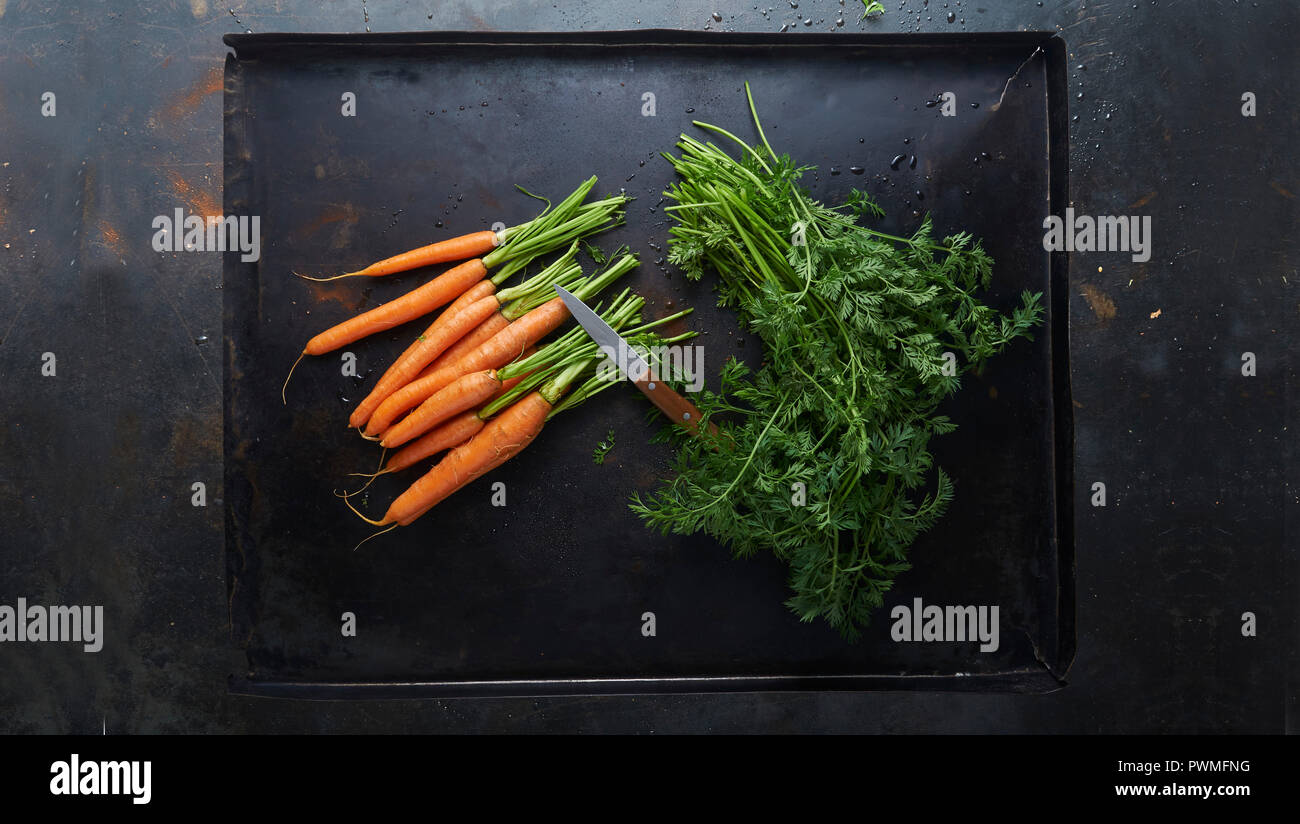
<point x="559" y="384"/>
<point x="613" y="272"/>
<point x="754" y="112"/>
<point x="542" y="281"/>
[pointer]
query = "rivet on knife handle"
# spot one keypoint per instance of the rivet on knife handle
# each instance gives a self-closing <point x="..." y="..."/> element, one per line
<point x="676" y="407"/>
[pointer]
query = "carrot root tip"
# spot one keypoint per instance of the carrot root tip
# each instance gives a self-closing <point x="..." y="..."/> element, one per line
<point x="290" y="375"/>
<point x="376" y="535"/>
<point x="369" y="475"/>
<point x="357" y="512"/>
<point x="326" y="280"/>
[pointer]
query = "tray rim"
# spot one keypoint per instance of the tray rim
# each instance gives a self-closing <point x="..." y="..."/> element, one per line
<point x="1050" y="677"/>
<point x="255" y="44"/>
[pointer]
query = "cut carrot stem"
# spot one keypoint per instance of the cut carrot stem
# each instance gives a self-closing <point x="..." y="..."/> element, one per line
<point x="472" y="245"/>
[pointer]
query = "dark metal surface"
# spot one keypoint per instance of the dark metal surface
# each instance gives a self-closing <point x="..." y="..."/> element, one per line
<point x="96" y="466"/>
<point x="546" y="593"/>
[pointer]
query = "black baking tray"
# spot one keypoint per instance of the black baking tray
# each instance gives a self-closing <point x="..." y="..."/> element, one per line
<point x="546" y="595"/>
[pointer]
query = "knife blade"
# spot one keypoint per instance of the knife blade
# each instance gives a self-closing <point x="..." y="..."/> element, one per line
<point x="632" y="366"/>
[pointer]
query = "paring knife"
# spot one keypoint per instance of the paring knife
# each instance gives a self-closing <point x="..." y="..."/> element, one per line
<point x="632" y="366"/>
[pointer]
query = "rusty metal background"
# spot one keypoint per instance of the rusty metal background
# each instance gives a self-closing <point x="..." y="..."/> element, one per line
<point x="97" y="465"/>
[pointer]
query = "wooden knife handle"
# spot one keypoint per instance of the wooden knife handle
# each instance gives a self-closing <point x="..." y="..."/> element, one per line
<point x="677" y="408"/>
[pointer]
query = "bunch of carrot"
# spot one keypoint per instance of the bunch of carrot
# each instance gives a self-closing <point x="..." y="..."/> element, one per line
<point x="476" y="382"/>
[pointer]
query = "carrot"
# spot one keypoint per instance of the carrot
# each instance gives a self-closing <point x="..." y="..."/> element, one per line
<point x="438" y="292"/>
<point x="527" y="407"/>
<point x="496" y="352"/>
<point x="502" y="348"/>
<point x="501" y="439"/>
<point x="449" y="433"/>
<point x="478" y="291"/>
<point x="567" y="223"/>
<point x="452" y="326"/>
<point x="429" y="345"/>
<point x="472" y="245"/>
<point x="481" y="334"/>
<point x="531" y="238"/>
<point x="504" y="437"/>
<point x="461" y="394"/>
<point x="441" y="290"/>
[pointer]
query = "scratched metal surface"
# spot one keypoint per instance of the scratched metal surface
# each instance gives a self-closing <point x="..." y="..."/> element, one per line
<point x="96" y="465"/>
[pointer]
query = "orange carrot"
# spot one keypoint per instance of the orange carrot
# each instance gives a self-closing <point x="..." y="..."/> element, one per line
<point x="481" y="334"/>
<point x="440" y="291"/>
<point x="514" y="247"/>
<point x="448" y="434"/>
<point x="566" y="223"/>
<point x="452" y="326"/>
<point x="505" y="436"/>
<point x="478" y="291"/>
<point x="472" y="245"/>
<point x="501" y="439"/>
<point x="445" y="331"/>
<point x="499" y="350"/>
<point x="461" y="394"/>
